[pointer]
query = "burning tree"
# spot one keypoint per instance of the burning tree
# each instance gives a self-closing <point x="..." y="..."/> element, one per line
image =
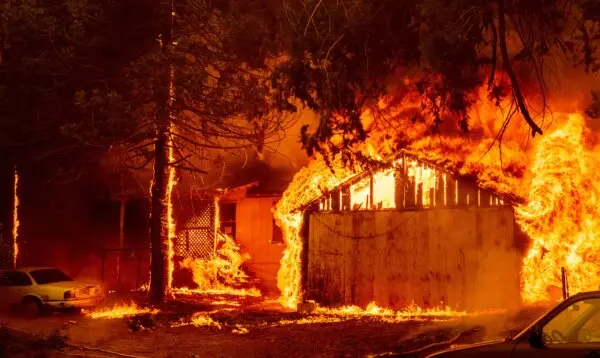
<point x="343" y="58"/>
<point x="420" y="75"/>
<point x="194" y="94"/>
<point x="172" y="91"/>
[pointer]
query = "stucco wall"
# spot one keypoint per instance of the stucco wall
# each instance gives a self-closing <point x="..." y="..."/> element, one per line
<point x="466" y="258"/>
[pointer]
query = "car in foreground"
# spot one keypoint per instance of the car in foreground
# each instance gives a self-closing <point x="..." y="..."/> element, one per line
<point x="34" y="289"/>
<point x="570" y="329"/>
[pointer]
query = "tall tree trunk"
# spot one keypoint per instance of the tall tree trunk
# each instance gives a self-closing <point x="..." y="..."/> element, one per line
<point x="8" y="252"/>
<point x="159" y="222"/>
<point x="159" y="231"/>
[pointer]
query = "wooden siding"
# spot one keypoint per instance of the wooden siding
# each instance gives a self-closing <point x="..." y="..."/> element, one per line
<point x="460" y="257"/>
<point x="254" y="230"/>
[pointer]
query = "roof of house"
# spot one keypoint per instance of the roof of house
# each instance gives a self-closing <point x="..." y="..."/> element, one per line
<point x="389" y="162"/>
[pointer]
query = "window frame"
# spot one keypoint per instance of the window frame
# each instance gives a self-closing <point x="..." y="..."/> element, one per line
<point x="24" y="275"/>
<point x="573" y="330"/>
<point x="276" y="231"/>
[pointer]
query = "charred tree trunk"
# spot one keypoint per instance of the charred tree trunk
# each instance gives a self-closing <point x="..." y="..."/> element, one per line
<point x="159" y="223"/>
<point x="6" y="213"/>
<point x="159" y="231"/>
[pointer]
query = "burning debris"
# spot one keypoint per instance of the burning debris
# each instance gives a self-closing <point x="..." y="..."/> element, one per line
<point x="239" y="321"/>
<point x="120" y="311"/>
<point x="200" y="319"/>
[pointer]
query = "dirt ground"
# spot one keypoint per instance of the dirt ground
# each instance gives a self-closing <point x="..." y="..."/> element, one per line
<point x="266" y="331"/>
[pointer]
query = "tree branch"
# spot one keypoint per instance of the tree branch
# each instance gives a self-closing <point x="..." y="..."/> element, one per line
<point x="535" y="129"/>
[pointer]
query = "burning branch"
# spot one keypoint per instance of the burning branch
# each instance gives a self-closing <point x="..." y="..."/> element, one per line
<point x="535" y="129"/>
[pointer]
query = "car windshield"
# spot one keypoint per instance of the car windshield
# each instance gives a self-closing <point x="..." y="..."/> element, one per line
<point x="45" y="276"/>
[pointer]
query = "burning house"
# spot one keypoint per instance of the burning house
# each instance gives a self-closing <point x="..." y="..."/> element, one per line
<point x="235" y="224"/>
<point x="410" y="233"/>
<point x="241" y="215"/>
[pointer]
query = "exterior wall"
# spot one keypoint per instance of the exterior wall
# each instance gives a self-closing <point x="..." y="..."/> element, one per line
<point x="254" y="231"/>
<point x="464" y="258"/>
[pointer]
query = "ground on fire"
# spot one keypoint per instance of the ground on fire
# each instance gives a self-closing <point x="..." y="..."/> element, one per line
<point x="225" y="326"/>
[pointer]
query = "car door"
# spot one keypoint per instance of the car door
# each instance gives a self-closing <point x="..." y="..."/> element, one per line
<point x="572" y="332"/>
<point x="4" y="285"/>
<point x="17" y="285"/>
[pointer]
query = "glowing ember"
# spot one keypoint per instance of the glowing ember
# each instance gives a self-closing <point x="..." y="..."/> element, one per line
<point x="16" y="223"/>
<point x="562" y="215"/>
<point x="225" y="303"/>
<point x="200" y="319"/>
<point x="239" y="329"/>
<point x="120" y="311"/>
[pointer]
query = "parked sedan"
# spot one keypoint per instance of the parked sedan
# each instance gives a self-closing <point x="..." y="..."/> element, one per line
<point x="32" y="289"/>
<point x="571" y="329"/>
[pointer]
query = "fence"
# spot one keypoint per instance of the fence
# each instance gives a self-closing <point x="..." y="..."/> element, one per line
<point x="125" y="269"/>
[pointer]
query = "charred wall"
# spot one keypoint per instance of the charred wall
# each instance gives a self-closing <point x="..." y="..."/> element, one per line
<point x="461" y="257"/>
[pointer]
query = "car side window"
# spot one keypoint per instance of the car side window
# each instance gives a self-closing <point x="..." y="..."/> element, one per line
<point x="578" y="323"/>
<point x="4" y="279"/>
<point x="15" y="279"/>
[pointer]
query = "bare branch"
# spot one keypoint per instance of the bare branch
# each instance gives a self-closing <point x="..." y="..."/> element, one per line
<point x="535" y="129"/>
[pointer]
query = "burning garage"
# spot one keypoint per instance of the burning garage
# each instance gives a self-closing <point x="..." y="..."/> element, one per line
<point x="406" y="233"/>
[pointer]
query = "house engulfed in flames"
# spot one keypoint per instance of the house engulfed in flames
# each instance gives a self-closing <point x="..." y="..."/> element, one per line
<point x="411" y="233"/>
<point x="240" y="218"/>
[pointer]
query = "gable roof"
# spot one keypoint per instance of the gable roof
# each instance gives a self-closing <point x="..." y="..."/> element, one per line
<point x="403" y="156"/>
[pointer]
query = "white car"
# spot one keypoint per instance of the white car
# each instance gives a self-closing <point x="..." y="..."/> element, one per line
<point x="33" y="289"/>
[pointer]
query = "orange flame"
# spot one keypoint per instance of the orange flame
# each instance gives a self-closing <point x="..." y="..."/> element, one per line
<point x="16" y="223"/>
<point x="562" y="214"/>
<point x="308" y="184"/>
<point x="222" y="273"/>
<point x="120" y="311"/>
<point x="170" y="219"/>
<point x="200" y="319"/>
<point x="562" y="189"/>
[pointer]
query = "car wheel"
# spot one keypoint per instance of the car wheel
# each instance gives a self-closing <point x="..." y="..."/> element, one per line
<point x="74" y="310"/>
<point x="31" y="307"/>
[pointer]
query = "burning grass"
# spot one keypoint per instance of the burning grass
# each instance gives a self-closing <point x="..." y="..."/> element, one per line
<point x="241" y="321"/>
<point x="120" y="311"/>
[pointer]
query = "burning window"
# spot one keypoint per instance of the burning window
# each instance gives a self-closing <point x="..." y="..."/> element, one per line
<point x="227" y="218"/>
<point x="416" y="185"/>
<point x="359" y="194"/>
<point x="384" y="189"/>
